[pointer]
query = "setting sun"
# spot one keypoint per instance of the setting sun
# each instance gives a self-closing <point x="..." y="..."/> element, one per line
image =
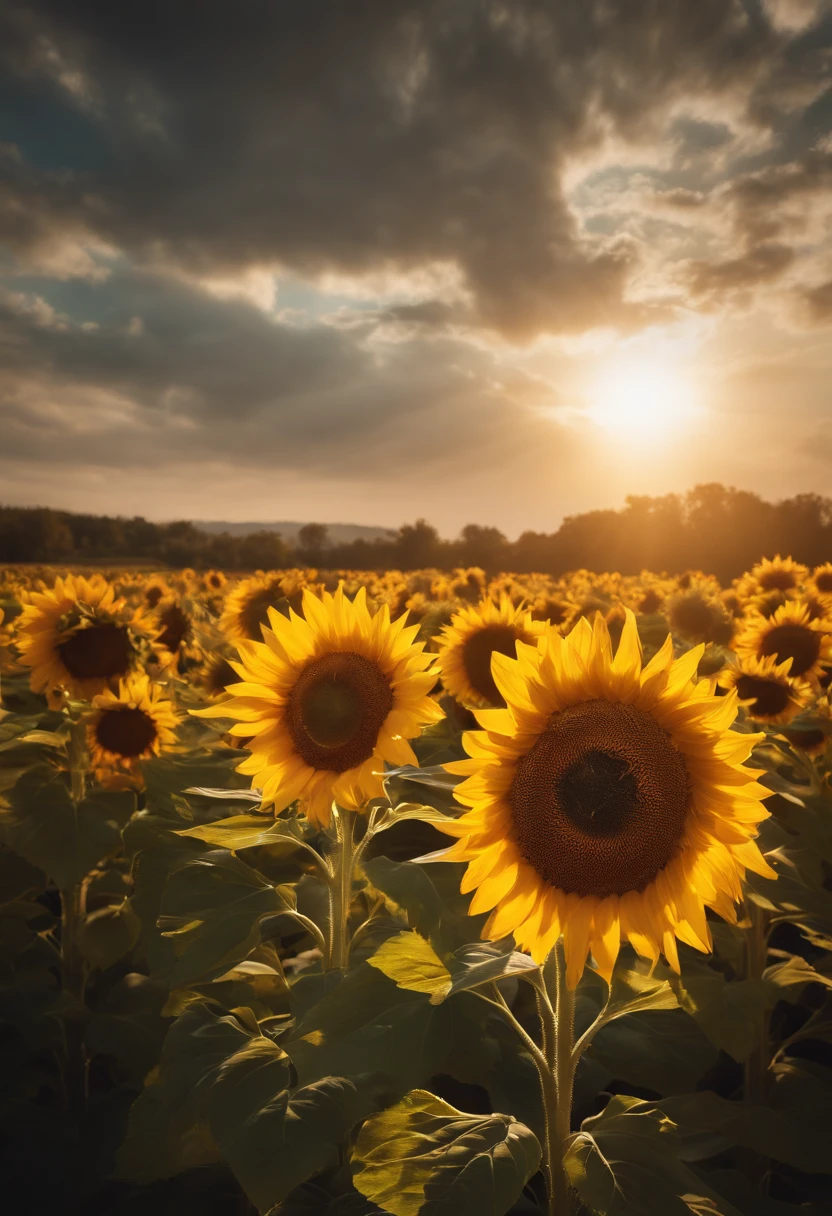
<point x="643" y="399"/>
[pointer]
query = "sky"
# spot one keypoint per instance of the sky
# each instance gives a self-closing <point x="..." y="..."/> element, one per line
<point x="370" y="260"/>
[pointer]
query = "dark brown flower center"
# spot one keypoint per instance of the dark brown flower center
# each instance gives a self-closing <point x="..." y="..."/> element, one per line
<point x="770" y="696"/>
<point x="692" y="616"/>
<point x="153" y="595"/>
<point x="336" y="709"/>
<point x="794" y="642"/>
<point x="125" y="732"/>
<point x="100" y="652"/>
<point x="255" y="613"/>
<point x="651" y="603"/>
<point x="600" y="801"/>
<point x="476" y="658"/>
<point x="777" y="580"/>
<point x="823" y="581"/>
<point x="219" y="675"/>
<point x="176" y="627"/>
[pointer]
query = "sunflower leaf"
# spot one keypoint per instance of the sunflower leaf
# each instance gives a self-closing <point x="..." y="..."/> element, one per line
<point x="424" y="1155"/>
<point x="626" y="1161"/>
<point x="411" y="962"/>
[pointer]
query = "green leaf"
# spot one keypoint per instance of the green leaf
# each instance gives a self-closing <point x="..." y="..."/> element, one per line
<point x="167" y="1130"/>
<point x="248" y="832"/>
<point x="729" y="1013"/>
<point x="483" y="963"/>
<point x="272" y="1138"/>
<point x="365" y="1024"/>
<point x="411" y="810"/>
<point x="659" y="1049"/>
<point x="167" y="776"/>
<point x="625" y="1162"/>
<point x="212" y="907"/>
<point x="107" y="934"/>
<point x="424" y="1155"/>
<point x="794" y="972"/>
<point x="412" y="963"/>
<point x="49" y="830"/>
<point x="430" y="901"/>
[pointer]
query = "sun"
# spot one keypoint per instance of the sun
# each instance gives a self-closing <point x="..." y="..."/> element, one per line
<point x="642" y="399"/>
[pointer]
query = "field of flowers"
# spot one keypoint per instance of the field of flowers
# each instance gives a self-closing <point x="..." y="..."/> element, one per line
<point x="333" y="892"/>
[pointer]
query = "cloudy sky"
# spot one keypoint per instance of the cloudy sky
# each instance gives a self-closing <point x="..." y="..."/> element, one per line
<point x="364" y="260"/>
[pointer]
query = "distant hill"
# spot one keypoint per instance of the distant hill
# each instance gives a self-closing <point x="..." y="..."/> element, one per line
<point x="339" y="534"/>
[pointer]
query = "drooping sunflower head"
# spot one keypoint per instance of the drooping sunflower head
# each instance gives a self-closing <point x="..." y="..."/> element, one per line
<point x="175" y="626"/>
<point x="553" y="610"/>
<point x="216" y="674"/>
<point x="79" y="637"/>
<point x="473" y="635"/>
<point x="128" y="726"/>
<point x="326" y="699"/>
<point x="154" y="590"/>
<point x="766" y="689"/>
<point x="606" y="802"/>
<point x="789" y="634"/>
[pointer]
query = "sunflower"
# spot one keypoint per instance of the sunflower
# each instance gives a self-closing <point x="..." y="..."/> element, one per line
<point x="765" y="688"/>
<point x="821" y="579"/>
<point x="606" y="801"/>
<point x="129" y="726"/>
<point x="326" y="699"/>
<point x="246" y="609"/>
<point x="214" y="581"/>
<point x="467" y="643"/>
<point x="699" y="616"/>
<point x="154" y="590"/>
<point x="789" y="634"/>
<point x="176" y="636"/>
<point x="79" y="637"/>
<point x="216" y="674"/>
<point x="778" y="574"/>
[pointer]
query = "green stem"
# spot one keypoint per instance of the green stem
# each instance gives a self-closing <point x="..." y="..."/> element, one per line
<point x="340" y="888"/>
<point x="757" y="1064"/>
<point x="562" y="1066"/>
<point x="73" y="910"/>
<point x="78" y="760"/>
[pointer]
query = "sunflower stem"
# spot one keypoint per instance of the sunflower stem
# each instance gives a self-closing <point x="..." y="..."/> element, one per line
<point x="78" y="760"/>
<point x="757" y="1064"/>
<point x="73" y="901"/>
<point x="340" y="888"/>
<point x="556" y="1008"/>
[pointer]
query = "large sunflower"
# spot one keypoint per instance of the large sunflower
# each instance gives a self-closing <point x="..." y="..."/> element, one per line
<point x="467" y="643"/>
<point x="606" y="801"/>
<point x="129" y="726"/>
<point x="790" y="633"/>
<point x="778" y="574"/>
<point x="326" y="700"/>
<point x="765" y="688"/>
<point x="79" y="637"/>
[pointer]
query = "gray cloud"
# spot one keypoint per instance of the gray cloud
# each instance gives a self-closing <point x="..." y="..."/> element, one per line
<point x="365" y="135"/>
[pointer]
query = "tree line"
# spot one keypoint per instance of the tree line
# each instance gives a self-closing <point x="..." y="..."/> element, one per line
<point x="720" y="530"/>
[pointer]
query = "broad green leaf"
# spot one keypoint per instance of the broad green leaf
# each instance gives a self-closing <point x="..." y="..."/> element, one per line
<point x="632" y="991"/>
<point x="168" y="1126"/>
<point x="794" y="972"/>
<point x="411" y="962"/>
<point x="729" y="1013"/>
<point x="430" y="901"/>
<point x="167" y="776"/>
<point x="213" y="905"/>
<point x="129" y="1029"/>
<point x="411" y="810"/>
<point x="248" y="832"/>
<point x="48" y="829"/>
<point x="423" y="1155"/>
<point x="658" y="1049"/>
<point x="273" y="1137"/>
<point x="107" y="934"/>
<point x="365" y="1024"/>
<point x="625" y="1162"/>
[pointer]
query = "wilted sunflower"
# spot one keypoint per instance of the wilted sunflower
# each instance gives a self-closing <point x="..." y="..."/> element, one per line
<point x="606" y="802"/>
<point x="789" y="634"/>
<point x="326" y="700"/>
<point x="131" y="725"/>
<point x="246" y="608"/>
<point x="79" y="637"/>
<point x="765" y="688"/>
<point x="467" y="643"/>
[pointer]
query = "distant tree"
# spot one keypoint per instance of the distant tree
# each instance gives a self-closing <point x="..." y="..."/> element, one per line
<point x="485" y="547"/>
<point x="313" y="539"/>
<point x="417" y="545"/>
<point x="262" y="551"/>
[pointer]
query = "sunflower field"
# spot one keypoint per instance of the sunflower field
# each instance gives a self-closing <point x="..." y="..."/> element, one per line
<point x="416" y="893"/>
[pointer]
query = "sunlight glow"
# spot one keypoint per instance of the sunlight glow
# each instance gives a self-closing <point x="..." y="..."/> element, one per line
<point x="643" y="399"/>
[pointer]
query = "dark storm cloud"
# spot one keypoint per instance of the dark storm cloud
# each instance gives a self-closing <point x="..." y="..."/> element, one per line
<point x="354" y="136"/>
<point x="174" y="374"/>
